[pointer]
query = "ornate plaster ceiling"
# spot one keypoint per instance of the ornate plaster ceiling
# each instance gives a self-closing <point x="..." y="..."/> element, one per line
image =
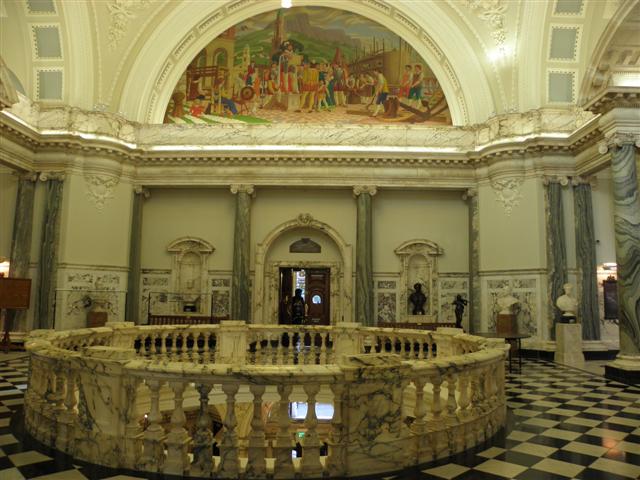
<point x="491" y="56"/>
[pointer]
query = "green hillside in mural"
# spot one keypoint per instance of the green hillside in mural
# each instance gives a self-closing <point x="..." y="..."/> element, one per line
<point x="308" y="65"/>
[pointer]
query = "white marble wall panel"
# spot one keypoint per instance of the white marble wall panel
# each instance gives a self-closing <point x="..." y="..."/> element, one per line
<point x="81" y="288"/>
<point x="386" y="299"/>
<point x="154" y="283"/>
<point x="220" y="287"/>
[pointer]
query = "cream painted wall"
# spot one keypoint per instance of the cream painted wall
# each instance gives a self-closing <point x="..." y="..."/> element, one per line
<point x="516" y="241"/>
<point x="92" y="236"/>
<point x="8" y="192"/>
<point x="171" y="213"/>
<point x="439" y="216"/>
<point x="602" y="200"/>
<point x="272" y="207"/>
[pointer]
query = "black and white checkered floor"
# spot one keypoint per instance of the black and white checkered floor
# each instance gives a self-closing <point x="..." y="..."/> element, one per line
<point x="562" y="424"/>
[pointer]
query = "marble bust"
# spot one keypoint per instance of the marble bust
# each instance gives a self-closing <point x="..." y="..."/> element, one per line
<point x="566" y="303"/>
<point x="506" y="301"/>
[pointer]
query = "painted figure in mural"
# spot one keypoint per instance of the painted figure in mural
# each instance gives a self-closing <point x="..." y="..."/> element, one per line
<point x="381" y="92"/>
<point x="297" y="308"/>
<point x="459" y="303"/>
<point x="415" y="92"/>
<point x="418" y="299"/>
<point x="405" y="82"/>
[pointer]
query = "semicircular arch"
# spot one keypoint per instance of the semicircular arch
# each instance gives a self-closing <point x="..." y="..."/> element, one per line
<point x="149" y="83"/>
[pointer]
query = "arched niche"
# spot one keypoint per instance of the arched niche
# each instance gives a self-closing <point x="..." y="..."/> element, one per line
<point x="189" y="272"/>
<point x="419" y="264"/>
<point x="266" y="284"/>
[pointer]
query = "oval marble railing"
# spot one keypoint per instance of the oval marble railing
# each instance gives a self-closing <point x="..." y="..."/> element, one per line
<point x="121" y="396"/>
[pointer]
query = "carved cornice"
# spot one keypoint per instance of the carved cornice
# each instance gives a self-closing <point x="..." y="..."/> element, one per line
<point x="614" y="97"/>
<point x="359" y="189"/>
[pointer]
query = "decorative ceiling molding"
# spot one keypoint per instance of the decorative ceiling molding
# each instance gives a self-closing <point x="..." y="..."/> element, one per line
<point x="492" y="12"/>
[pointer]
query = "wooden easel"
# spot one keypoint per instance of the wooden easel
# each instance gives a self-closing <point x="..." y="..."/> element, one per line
<point x="15" y="294"/>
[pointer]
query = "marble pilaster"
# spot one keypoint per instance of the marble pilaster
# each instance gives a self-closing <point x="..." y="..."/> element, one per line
<point x="240" y="297"/>
<point x="364" y="254"/>
<point x="475" y="292"/>
<point x="48" y="265"/>
<point x="556" y="248"/>
<point x="135" y="246"/>
<point x="21" y="240"/>
<point x="626" y="197"/>
<point x="586" y="261"/>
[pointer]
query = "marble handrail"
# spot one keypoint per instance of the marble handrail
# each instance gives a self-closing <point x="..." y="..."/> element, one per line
<point x="125" y="396"/>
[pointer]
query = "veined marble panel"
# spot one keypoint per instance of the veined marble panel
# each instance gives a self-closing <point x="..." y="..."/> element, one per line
<point x="529" y="289"/>
<point x="386" y="307"/>
<point x="152" y="285"/>
<point x="451" y="286"/>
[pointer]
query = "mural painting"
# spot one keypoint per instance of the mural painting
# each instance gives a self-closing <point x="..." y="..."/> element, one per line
<point x="308" y="65"/>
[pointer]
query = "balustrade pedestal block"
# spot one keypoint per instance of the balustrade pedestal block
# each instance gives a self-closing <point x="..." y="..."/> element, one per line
<point x="569" y="345"/>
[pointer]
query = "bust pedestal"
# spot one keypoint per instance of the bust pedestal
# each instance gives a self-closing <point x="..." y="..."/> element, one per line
<point x="569" y="345"/>
<point x="506" y="324"/>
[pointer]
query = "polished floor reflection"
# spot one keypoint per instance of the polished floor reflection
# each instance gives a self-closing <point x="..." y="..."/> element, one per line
<point x="562" y="424"/>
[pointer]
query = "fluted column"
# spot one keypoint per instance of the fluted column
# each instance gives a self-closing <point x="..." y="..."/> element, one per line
<point x="588" y="313"/>
<point x="471" y="196"/>
<point x="626" y="197"/>
<point x="135" y="249"/>
<point x="364" y="254"/>
<point x="48" y="265"/>
<point x="556" y="247"/>
<point x="240" y="299"/>
<point x="21" y="240"/>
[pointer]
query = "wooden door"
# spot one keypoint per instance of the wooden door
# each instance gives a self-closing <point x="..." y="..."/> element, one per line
<point x="286" y="285"/>
<point x="317" y="296"/>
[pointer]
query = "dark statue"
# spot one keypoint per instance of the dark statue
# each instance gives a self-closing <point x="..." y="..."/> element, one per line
<point x="460" y="303"/>
<point x="297" y="308"/>
<point x="418" y="299"/>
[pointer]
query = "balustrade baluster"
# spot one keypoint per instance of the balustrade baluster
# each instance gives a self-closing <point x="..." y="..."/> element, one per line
<point x="132" y="428"/>
<point x="163" y="343"/>
<point x="229" y="466"/>
<point x="206" y="351"/>
<point x="283" y="462"/>
<point x="463" y="388"/>
<point x="177" y="462"/>
<point x="452" y="405"/>
<point x="152" y="458"/>
<point x="279" y="351"/>
<point x="420" y="409"/>
<point x="256" y="451"/>
<point x="322" y="360"/>
<point x="203" y="438"/>
<point x="435" y="419"/>
<point x="311" y="466"/>
<point x="336" y="462"/>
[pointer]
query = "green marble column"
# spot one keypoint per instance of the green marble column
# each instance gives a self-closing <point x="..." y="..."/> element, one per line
<point x="21" y="240"/>
<point x="556" y="250"/>
<point x="474" y="260"/>
<point x="48" y="265"/>
<point x="240" y="295"/>
<point x="135" y="246"/>
<point x="364" y="255"/>
<point x="588" y="313"/>
<point x="626" y="197"/>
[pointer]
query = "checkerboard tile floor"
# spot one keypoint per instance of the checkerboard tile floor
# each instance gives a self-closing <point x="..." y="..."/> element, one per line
<point x="562" y="424"/>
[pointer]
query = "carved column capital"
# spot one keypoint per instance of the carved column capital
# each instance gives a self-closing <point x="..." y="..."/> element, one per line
<point x="45" y="176"/>
<point x="244" y="188"/>
<point x="370" y="189"/>
<point x="140" y="190"/>
<point x="561" y="179"/>
<point x="28" y="176"/>
<point x="618" y="139"/>
<point x="469" y="193"/>
<point x="579" y="180"/>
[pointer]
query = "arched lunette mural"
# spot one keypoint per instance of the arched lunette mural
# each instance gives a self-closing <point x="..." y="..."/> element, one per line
<point x="308" y="65"/>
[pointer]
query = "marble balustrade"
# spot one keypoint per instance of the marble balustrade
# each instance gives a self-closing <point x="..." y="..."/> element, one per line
<point x="121" y="396"/>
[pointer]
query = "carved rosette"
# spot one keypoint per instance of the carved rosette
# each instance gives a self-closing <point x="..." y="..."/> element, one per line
<point x="100" y="188"/>
<point x="508" y="193"/>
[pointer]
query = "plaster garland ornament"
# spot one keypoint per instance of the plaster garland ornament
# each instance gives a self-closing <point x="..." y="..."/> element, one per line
<point x="121" y="12"/>
<point x="492" y="11"/>
<point x="100" y="188"/>
<point x="507" y="192"/>
<point x="370" y="189"/>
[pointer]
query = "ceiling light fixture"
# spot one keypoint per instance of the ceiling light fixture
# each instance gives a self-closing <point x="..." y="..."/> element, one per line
<point x="286" y="3"/>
